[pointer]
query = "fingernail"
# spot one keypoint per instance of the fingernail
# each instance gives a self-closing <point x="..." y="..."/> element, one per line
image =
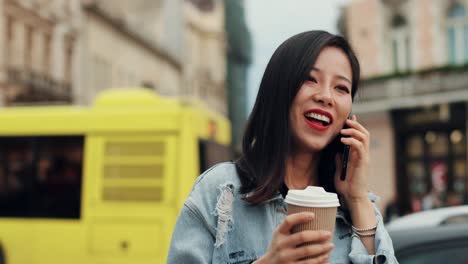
<point x="324" y="257"/>
<point x="310" y="215"/>
<point x="326" y="234"/>
<point x="330" y="246"/>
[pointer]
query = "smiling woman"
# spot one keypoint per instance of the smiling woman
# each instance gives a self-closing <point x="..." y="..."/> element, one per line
<point x="293" y="139"/>
<point x="323" y="100"/>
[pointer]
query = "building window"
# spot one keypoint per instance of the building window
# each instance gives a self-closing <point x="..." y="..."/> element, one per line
<point x="10" y="36"/>
<point x="101" y="73"/>
<point x="68" y="75"/>
<point x="457" y="35"/>
<point x="47" y="54"/>
<point x="29" y="47"/>
<point x="400" y="39"/>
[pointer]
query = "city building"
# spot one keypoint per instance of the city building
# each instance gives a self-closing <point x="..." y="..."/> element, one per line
<point x="116" y="52"/>
<point x="38" y="39"/>
<point x="413" y="97"/>
<point x="204" y="55"/>
<point x="67" y="51"/>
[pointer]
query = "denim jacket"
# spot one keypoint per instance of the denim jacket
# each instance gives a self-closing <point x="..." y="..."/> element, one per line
<point x="216" y="226"/>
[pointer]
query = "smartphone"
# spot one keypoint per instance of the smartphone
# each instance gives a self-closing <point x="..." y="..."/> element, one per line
<point x="345" y="157"/>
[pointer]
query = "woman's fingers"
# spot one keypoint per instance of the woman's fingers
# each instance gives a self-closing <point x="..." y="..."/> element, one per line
<point x="359" y="135"/>
<point x="318" y="260"/>
<point x="356" y="125"/>
<point x="307" y="236"/>
<point x="314" y="250"/>
<point x="294" y="219"/>
<point x="287" y="247"/>
<point x="354" y="143"/>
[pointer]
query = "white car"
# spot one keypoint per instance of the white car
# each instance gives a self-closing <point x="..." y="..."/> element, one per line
<point x="431" y="245"/>
<point x="431" y="218"/>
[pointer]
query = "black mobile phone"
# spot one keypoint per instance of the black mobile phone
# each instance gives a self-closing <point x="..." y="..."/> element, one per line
<point x="345" y="157"/>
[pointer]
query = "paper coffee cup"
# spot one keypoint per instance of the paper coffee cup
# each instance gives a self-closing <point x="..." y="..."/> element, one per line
<point x="314" y="199"/>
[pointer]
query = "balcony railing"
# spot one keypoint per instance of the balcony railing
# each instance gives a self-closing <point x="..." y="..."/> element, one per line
<point x="448" y="84"/>
<point x="38" y="87"/>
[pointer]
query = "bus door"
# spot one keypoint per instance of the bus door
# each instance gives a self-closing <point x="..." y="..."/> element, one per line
<point x="131" y="191"/>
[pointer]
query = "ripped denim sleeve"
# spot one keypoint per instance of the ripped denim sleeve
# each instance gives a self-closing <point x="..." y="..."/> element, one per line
<point x="223" y="211"/>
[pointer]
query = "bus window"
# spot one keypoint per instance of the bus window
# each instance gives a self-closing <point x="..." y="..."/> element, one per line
<point x="212" y="153"/>
<point x="41" y="176"/>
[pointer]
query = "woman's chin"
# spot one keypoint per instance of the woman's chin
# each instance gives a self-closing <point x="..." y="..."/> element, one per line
<point x="315" y="147"/>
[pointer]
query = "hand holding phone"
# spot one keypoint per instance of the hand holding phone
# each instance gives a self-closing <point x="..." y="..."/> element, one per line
<point x="345" y="157"/>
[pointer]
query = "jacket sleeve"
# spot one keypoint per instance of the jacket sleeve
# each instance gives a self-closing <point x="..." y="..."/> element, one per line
<point x="192" y="240"/>
<point x="384" y="253"/>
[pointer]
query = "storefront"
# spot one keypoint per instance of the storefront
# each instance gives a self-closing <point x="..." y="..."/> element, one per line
<point x="431" y="161"/>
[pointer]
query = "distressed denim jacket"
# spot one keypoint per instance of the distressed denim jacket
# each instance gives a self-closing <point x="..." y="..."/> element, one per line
<point x="216" y="226"/>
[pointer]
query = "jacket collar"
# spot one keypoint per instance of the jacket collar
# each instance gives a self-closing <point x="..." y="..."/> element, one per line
<point x="277" y="197"/>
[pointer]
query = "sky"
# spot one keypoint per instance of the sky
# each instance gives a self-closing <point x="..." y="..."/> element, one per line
<point x="273" y="21"/>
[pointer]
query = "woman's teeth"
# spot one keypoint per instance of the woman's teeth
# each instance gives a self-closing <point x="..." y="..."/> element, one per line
<point x="318" y="117"/>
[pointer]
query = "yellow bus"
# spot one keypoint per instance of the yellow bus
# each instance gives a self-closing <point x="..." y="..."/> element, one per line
<point x="101" y="184"/>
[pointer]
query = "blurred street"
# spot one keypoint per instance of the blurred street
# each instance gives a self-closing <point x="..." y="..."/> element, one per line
<point x="94" y="92"/>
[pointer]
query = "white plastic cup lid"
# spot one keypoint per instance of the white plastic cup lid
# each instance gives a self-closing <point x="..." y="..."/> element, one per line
<point x="312" y="196"/>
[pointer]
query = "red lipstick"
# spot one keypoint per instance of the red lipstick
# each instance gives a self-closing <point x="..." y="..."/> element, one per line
<point x="315" y="123"/>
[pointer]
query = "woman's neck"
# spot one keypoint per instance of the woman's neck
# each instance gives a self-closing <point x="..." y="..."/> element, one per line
<point x="301" y="170"/>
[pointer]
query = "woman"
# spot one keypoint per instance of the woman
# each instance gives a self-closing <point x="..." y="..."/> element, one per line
<point x="235" y="212"/>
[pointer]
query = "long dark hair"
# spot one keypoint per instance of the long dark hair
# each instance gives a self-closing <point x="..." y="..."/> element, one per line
<point x="265" y="145"/>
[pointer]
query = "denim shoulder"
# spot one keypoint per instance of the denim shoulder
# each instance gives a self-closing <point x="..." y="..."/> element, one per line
<point x="214" y="191"/>
<point x="220" y="173"/>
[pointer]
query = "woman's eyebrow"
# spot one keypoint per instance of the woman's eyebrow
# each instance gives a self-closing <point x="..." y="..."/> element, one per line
<point x="341" y="77"/>
<point x="344" y="79"/>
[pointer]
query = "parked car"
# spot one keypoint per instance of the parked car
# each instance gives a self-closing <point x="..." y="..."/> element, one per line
<point x="431" y="245"/>
<point x="431" y="218"/>
<point x="430" y="237"/>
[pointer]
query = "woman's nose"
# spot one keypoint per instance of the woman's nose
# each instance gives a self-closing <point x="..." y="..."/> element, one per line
<point x="324" y="96"/>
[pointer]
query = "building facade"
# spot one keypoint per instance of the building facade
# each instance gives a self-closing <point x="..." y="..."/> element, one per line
<point x="204" y="55"/>
<point x="177" y="47"/>
<point x="413" y="98"/>
<point x="113" y="53"/>
<point x="38" y="40"/>
<point x="66" y="51"/>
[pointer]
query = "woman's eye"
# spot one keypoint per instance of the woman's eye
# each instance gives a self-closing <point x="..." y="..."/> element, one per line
<point x="311" y="79"/>
<point x="343" y="88"/>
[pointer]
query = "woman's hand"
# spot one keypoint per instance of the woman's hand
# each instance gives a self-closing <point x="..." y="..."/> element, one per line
<point x="286" y="247"/>
<point x="354" y="188"/>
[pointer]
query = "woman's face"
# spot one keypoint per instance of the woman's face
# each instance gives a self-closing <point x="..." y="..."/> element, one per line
<point x="322" y="103"/>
